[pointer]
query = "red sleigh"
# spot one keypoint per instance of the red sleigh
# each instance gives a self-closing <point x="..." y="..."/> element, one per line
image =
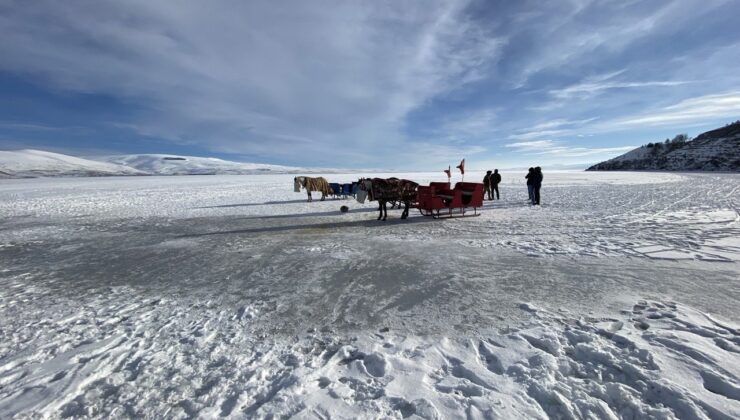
<point x="439" y="201"/>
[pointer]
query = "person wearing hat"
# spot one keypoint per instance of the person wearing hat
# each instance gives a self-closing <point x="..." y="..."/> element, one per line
<point x="487" y="185"/>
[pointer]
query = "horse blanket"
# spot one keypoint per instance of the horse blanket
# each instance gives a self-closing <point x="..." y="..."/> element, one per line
<point x="391" y="189"/>
<point x="313" y="184"/>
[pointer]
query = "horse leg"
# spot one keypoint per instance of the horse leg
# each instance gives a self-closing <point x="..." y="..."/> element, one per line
<point x="385" y="210"/>
<point x="309" y="197"/>
<point x="323" y="196"/>
<point x="380" y="209"/>
<point x="405" y="213"/>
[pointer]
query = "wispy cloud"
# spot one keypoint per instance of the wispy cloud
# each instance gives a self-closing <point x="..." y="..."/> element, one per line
<point x="387" y="84"/>
<point x="708" y="107"/>
<point x="480" y="121"/>
<point x="334" y="75"/>
<point x="552" y="128"/>
<point x="532" y="145"/>
<point x="560" y="149"/>
<point x="589" y="89"/>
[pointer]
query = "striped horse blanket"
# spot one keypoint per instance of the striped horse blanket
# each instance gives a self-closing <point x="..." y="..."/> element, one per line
<point x="313" y="184"/>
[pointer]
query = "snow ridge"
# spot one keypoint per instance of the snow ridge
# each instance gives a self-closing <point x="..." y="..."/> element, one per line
<point x="31" y="163"/>
<point x="37" y="163"/>
<point x="159" y="164"/>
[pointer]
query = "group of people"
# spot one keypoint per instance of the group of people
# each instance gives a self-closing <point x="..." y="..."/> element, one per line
<point x="490" y="183"/>
<point x="534" y="183"/>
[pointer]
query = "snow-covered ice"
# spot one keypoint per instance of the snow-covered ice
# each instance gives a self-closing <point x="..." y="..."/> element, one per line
<point x="211" y="296"/>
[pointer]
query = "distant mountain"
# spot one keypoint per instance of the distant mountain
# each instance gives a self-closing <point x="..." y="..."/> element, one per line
<point x="37" y="163"/>
<point x="189" y="165"/>
<point x="716" y="150"/>
<point x="154" y="164"/>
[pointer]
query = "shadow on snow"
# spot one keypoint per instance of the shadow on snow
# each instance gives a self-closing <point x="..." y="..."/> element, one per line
<point x="322" y="226"/>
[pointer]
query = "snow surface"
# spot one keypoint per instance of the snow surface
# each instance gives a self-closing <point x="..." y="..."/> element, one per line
<point x="231" y="296"/>
<point x="37" y="163"/>
<point x="155" y="164"/>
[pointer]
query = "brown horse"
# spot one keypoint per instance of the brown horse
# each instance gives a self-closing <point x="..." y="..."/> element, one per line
<point x="385" y="190"/>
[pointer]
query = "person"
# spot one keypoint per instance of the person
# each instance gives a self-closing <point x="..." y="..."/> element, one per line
<point x="530" y="185"/>
<point x="537" y="184"/>
<point x="495" y="180"/>
<point x="487" y="185"/>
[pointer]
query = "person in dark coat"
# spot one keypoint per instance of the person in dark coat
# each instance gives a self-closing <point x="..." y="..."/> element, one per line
<point x="530" y="184"/>
<point x="495" y="180"/>
<point x="487" y="185"/>
<point x="537" y="184"/>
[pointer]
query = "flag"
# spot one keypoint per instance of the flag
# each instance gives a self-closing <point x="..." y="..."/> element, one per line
<point x="448" y="172"/>
<point x="461" y="166"/>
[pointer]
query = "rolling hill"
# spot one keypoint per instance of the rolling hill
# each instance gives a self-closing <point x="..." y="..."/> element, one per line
<point x="715" y="150"/>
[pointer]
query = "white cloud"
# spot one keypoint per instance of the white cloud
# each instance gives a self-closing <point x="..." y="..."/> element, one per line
<point x="532" y="145"/>
<point x="477" y="123"/>
<point x="581" y="32"/>
<point x="258" y="78"/>
<point x="588" y="89"/>
<point x="559" y="149"/>
<point x="585" y="151"/>
<point x="552" y="128"/>
<point x="708" y="107"/>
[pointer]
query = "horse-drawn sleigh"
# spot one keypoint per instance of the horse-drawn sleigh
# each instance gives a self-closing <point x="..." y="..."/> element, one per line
<point x="436" y="200"/>
<point x="439" y="201"/>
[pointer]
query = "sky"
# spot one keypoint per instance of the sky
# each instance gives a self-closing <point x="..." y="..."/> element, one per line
<point x="408" y="85"/>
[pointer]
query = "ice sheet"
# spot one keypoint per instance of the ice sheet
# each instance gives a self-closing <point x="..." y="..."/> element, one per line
<point x="230" y="295"/>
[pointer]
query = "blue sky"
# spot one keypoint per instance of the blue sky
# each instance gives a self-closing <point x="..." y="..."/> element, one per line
<point x="387" y="84"/>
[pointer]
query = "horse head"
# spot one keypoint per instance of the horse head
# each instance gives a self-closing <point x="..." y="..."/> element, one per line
<point x="298" y="183"/>
<point x="364" y="190"/>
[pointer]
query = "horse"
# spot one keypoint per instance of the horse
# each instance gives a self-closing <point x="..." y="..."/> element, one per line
<point x="385" y="190"/>
<point x="312" y="184"/>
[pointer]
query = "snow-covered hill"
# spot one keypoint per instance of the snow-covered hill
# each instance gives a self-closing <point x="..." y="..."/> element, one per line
<point x="37" y="163"/>
<point x="156" y="164"/>
<point x="716" y="150"/>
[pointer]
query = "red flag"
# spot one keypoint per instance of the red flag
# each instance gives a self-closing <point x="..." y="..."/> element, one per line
<point x="448" y="172"/>
<point x="461" y="167"/>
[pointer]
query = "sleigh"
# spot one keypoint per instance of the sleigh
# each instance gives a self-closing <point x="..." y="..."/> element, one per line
<point x="343" y="190"/>
<point x="439" y="201"/>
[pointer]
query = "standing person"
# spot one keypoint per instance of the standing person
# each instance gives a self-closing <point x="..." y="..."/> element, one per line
<point x="530" y="185"/>
<point x="495" y="180"/>
<point x="537" y="184"/>
<point x="487" y="185"/>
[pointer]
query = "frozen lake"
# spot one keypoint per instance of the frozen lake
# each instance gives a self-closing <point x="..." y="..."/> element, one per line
<point x="231" y="296"/>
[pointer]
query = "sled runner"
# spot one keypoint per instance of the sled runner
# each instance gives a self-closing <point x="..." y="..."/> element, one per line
<point x="439" y="201"/>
